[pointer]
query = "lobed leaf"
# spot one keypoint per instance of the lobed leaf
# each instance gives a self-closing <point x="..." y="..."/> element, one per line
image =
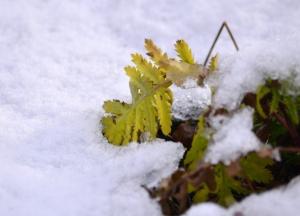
<point x="254" y="167"/>
<point x="154" y="52"/>
<point x="184" y="52"/>
<point x="149" y="111"/>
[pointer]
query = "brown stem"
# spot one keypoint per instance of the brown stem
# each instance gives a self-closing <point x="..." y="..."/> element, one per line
<point x="292" y="130"/>
<point x="289" y="149"/>
<point x="224" y="25"/>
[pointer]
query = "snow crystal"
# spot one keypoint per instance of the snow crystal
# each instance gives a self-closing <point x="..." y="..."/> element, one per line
<point x="234" y="137"/>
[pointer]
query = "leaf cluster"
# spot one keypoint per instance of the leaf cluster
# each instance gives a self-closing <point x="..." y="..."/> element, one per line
<point x="148" y="115"/>
<point x="151" y="98"/>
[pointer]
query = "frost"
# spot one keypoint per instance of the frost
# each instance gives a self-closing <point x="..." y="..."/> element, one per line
<point x="234" y="137"/>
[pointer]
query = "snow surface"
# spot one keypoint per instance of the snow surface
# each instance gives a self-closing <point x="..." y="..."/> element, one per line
<point x="277" y="59"/>
<point x="59" y="60"/>
<point x="280" y="201"/>
<point x="233" y="137"/>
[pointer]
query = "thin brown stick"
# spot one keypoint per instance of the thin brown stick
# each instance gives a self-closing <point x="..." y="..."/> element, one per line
<point x="289" y="149"/>
<point x="224" y="24"/>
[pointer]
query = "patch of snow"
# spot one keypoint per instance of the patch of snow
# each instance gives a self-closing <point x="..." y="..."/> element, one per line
<point x="207" y="209"/>
<point x="234" y="137"/>
<point x="277" y="202"/>
<point x="244" y="72"/>
<point x="281" y="201"/>
<point x="190" y="100"/>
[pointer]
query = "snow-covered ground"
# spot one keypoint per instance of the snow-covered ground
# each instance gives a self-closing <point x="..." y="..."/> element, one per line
<point x="59" y="60"/>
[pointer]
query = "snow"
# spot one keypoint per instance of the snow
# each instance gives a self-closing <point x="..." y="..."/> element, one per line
<point x="209" y="209"/>
<point x="280" y="201"/>
<point x="243" y="73"/>
<point x="59" y="60"/>
<point x="190" y="100"/>
<point x="233" y="137"/>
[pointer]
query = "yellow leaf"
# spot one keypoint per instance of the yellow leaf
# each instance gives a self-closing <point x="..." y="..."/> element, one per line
<point x="146" y="68"/>
<point x="163" y="101"/>
<point x="146" y="113"/>
<point x="154" y="52"/>
<point x="214" y="63"/>
<point x="184" y="52"/>
<point x="178" y="72"/>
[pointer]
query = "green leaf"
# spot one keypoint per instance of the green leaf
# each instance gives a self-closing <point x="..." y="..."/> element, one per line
<point x="224" y="186"/>
<point x="199" y="145"/>
<point x="184" y="52"/>
<point x="261" y="92"/>
<point x="255" y="168"/>
<point x="275" y="101"/>
<point x="292" y="109"/>
<point x="201" y="195"/>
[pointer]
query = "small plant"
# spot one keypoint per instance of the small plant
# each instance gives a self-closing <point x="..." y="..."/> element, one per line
<point x="276" y="124"/>
<point x="150" y="109"/>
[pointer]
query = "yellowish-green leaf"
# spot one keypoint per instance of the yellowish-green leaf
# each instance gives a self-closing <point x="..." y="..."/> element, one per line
<point x="149" y="111"/>
<point x="261" y="92"/>
<point x="115" y="107"/>
<point x="154" y="52"/>
<point x="292" y="109"/>
<point x="255" y="169"/>
<point x="146" y="68"/>
<point x="184" y="52"/>
<point x="199" y="145"/>
<point x="201" y="195"/>
<point x="214" y="63"/>
<point x="275" y="101"/>
<point x="163" y="101"/>
<point x="178" y="72"/>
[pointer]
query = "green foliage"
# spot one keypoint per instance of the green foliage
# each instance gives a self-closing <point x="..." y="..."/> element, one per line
<point x="226" y="185"/>
<point x="199" y="145"/>
<point x="292" y="109"/>
<point x="279" y="113"/>
<point x="255" y="168"/>
<point x="261" y="93"/>
<point x="276" y="122"/>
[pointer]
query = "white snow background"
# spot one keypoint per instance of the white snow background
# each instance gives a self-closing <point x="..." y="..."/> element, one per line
<point x="59" y="60"/>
